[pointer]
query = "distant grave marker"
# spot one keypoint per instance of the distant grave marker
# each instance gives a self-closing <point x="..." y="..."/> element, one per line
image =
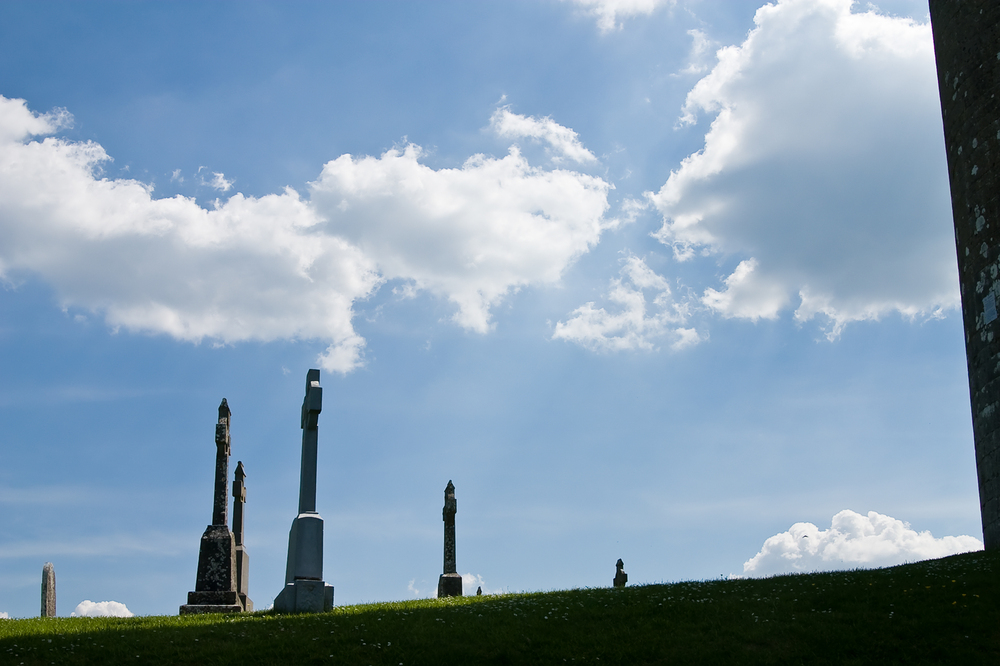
<point x="450" y="582"/>
<point x="48" y="590"/>
<point x="620" y="576"/>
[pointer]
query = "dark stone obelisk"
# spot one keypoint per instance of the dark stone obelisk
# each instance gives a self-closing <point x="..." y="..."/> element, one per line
<point x="242" y="557"/>
<point x="215" y="589"/>
<point x="967" y="50"/>
<point x="450" y="582"/>
<point x="305" y="591"/>
<point x="620" y="576"/>
<point x="48" y="590"/>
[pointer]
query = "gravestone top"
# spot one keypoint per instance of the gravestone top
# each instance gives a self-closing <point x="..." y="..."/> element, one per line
<point x="620" y="576"/>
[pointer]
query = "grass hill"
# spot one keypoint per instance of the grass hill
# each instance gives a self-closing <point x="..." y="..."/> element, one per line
<point x="943" y="611"/>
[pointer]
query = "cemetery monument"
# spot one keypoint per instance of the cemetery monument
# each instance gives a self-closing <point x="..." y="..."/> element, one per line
<point x="48" y="590"/>
<point x="242" y="558"/>
<point x="305" y="591"/>
<point x="450" y="582"/>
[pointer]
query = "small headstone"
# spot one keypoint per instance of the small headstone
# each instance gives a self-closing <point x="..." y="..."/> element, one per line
<point x="450" y="582"/>
<point x="620" y="576"/>
<point x="48" y="590"/>
<point x="479" y="591"/>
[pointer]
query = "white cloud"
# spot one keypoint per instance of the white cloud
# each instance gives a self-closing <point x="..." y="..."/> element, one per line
<point x="609" y="11"/>
<point x="631" y="325"/>
<point x="176" y="176"/>
<point x="823" y="168"/>
<point x="280" y="266"/>
<point x="471" y="234"/>
<point x="219" y="182"/>
<point x="702" y="52"/>
<point x="89" y="608"/>
<point x="471" y="582"/>
<point x="852" y="541"/>
<point x="562" y="140"/>
<point x="4" y="616"/>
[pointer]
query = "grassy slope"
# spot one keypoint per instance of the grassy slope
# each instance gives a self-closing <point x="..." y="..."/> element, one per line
<point x="940" y="611"/>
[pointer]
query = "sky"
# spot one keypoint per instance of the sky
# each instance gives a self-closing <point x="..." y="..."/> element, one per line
<point x="671" y="281"/>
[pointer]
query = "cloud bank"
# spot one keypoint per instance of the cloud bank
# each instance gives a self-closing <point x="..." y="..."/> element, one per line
<point x="283" y="266"/>
<point x="89" y="608"/>
<point x="852" y="541"/>
<point x="823" y="170"/>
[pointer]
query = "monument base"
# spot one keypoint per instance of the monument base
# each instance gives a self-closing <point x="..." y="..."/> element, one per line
<point x="450" y="585"/>
<point x="304" y="596"/>
<point x="212" y="602"/>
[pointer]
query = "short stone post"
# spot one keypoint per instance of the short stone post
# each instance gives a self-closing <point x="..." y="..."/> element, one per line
<point x="215" y="588"/>
<point x="450" y="582"/>
<point x="305" y="591"/>
<point x="620" y="576"/>
<point x="242" y="558"/>
<point x="48" y="590"/>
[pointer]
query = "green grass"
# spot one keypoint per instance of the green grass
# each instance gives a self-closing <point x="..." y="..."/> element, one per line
<point x="940" y="611"/>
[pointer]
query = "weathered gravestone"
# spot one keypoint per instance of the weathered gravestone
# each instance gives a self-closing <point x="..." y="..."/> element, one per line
<point x="242" y="558"/>
<point x="305" y="591"/>
<point x="450" y="582"/>
<point x="620" y="576"/>
<point x="215" y="589"/>
<point x="967" y="50"/>
<point x="48" y="590"/>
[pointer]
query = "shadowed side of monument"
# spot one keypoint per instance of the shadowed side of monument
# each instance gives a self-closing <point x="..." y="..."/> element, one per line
<point x="215" y="589"/>
<point x="305" y="591"/>
<point x="967" y="51"/>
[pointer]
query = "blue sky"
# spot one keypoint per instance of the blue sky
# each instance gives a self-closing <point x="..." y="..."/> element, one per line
<point x="666" y="281"/>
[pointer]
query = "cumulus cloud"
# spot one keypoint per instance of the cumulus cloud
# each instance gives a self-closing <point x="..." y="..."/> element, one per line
<point x="282" y="266"/>
<point x="4" y="616"/>
<point x="471" y="582"/>
<point x="562" y="141"/>
<point x="822" y="170"/>
<point x="471" y="234"/>
<point x="89" y="608"/>
<point x="646" y="311"/>
<point x="852" y="541"/>
<point x="609" y="11"/>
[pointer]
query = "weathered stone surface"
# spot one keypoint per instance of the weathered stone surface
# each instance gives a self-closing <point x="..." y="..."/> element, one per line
<point x="48" y="590"/>
<point x="447" y="585"/>
<point x="620" y="576"/>
<point x="305" y="591"/>
<point x="217" y="554"/>
<point x="967" y="49"/>
<point x="242" y="557"/>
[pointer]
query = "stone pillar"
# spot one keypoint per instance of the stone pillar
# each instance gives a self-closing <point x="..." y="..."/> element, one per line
<point x="450" y="582"/>
<point x="48" y="590"/>
<point x="305" y="591"/>
<point x="242" y="557"/>
<point x="215" y="588"/>
<point x="620" y="576"/>
<point x="967" y="50"/>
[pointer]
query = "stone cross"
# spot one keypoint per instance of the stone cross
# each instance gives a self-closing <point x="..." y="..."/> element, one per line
<point x="620" y="576"/>
<point x="215" y="588"/>
<point x="242" y="557"/>
<point x="450" y="582"/>
<point x="305" y="591"/>
<point x="48" y="590"/>
<point x="966" y="41"/>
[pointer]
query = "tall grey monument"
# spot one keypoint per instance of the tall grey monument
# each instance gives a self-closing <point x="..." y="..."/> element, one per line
<point x="48" y="590"/>
<point x="450" y="582"/>
<point x="215" y="589"/>
<point x="967" y="50"/>
<point x="305" y="591"/>
<point x="242" y="558"/>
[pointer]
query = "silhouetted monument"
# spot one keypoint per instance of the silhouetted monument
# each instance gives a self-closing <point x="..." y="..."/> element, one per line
<point x="620" y="576"/>
<point x="305" y="591"/>
<point x="450" y="582"/>
<point x="967" y="49"/>
<point x="215" y="589"/>
<point x="48" y="590"/>
<point x="242" y="558"/>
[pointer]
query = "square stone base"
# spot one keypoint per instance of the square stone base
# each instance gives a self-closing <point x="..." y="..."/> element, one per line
<point x="189" y="609"/>
<point x="213" y="602"/>
<point x="450" y="585"/>
<point x="304" y="596"/>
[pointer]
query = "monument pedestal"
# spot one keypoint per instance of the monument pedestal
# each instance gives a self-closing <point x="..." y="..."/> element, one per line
<point x="214" y="591"/>
<point x="450" y="585"/>
<point x="305" y="591"/>
<point x="304" y="596"/>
